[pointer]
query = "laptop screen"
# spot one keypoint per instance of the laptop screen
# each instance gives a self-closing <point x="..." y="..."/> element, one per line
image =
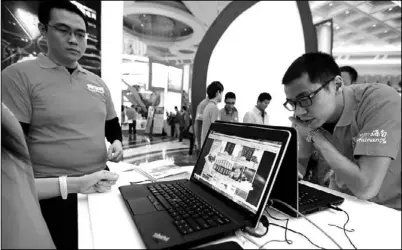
<point x="237" y="167"/>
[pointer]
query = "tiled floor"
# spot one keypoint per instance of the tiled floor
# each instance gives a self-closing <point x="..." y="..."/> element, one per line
<point x="142" y="148"/>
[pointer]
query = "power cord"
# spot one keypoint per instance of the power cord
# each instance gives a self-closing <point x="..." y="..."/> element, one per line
<point x="344" y="226"/>
<point x="302" y="215"/>
<point x="286" y="229"/>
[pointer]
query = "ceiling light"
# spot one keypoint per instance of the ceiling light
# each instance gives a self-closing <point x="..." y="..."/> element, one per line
<point x="374" y="25"/>
<point x="337" y="27"/>
<point x="385" y="31"/>
<point x="330" y="4"/>
<point x="142" y="25"/>
<point x="346" y="12"/>
<point x="390" y="8"/>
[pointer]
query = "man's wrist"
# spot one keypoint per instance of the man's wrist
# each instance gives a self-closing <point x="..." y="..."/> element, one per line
<point x="73" y="185"/>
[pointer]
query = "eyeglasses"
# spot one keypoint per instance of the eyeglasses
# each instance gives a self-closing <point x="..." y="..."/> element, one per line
<point x="304" y="101"/>
<point x="230" y="103"/>
<point x="66" y="31"/>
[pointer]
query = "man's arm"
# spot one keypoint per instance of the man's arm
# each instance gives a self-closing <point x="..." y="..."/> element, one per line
<point x="248" y="118"/>
<point x="113" y="130"/>
<point x="378" y="142"/>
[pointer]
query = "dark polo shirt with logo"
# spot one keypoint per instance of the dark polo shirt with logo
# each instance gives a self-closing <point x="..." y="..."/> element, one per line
<point x="66" y="113"/>
<point x="370" y="125"/>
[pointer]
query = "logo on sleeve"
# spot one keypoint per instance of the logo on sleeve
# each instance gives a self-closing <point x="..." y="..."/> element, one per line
<point x="377" y="136"/>
<point x="96" y="89"/>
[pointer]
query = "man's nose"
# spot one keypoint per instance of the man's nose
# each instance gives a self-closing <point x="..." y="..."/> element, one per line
<point x="72" y="39"/>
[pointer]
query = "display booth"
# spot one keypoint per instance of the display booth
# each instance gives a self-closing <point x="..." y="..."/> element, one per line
<point x="248" y="49"/>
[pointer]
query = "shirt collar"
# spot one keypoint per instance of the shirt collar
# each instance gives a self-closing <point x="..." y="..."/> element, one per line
<point x="45" y="62"/>
<point x="349" y="107"/>
<point x="234" y="110"/>
<point x="256" y="110"/>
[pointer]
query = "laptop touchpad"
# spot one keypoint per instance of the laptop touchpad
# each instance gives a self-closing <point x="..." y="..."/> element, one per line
<point x="141" y="206"/>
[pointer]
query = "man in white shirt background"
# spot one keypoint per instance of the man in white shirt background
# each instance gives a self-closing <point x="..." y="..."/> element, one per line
<point x="258" y="115"/>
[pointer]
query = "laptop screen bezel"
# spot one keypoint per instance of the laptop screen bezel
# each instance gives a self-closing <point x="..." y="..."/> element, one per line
<point x="280" y="135"/>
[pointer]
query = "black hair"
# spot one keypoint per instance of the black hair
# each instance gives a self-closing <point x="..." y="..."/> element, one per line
<point x="230" y="95"/>
<point x="320" y="67"/>
<point x="213" y="88"/>
<point x="175" y="107"/>
<point x="352" y="72"/>
<point x="264" y="96"/>
<point x="184" y="108"/>
<point x="45" y="8"/>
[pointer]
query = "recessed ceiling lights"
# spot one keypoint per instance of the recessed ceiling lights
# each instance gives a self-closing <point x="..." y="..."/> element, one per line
<point x="390" y="8"/>
<point x="347" y="12"/>
<point x="337" y="27"/>
<point x="142" y="25"/>
<point x="374" y="25"/>
<point x="330" y="4"/>
<point x="385" y="31"/>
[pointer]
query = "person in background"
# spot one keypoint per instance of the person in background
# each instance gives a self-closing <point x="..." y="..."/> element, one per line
<point x="184" y="122"/>
<point x="211" y="111"/>
<point x="22" y="223"/>
<point x="349" y="75"/>
<point x="356" y="128"/>
<point x="177" y="123"/>
<point x="258" y="115"/>
<point x="198" y="122"/>
<point x="131" y="114"/>
<point x="186" y="132"/>
<point x="229" y="112"/>
<point x="65" y="112"/>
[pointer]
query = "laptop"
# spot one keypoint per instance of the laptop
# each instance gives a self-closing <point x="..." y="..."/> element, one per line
<point x="227" y="191"/>
<point x="301" y="197"/>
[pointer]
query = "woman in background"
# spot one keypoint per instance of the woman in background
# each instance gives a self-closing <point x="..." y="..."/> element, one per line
<point x="22" y="223"/>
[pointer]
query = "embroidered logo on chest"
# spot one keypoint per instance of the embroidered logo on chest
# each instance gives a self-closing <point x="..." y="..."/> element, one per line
<point x="96" y="89"/>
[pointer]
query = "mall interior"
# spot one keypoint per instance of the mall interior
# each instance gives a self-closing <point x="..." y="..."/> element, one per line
<point x="162" y="55"/>
<point x="158" y="57"/>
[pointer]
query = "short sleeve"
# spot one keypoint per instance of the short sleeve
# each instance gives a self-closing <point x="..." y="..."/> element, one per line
<point x="379" y="122"/>
<point x="15" y="94"/>
<point x="248" y="118"/>
<point x="110" y="111"/>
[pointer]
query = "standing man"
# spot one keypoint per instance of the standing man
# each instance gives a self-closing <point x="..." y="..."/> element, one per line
<point x="198" y="121"/>
<point x="229" y="112"/>
<point x="349" y="75"/>
<point x="65" y="112"/>
<point x="258" y="115"/>
<point x="211" y="111"/>
<point x="132" y="119"/>
<point x="356" y="128"/>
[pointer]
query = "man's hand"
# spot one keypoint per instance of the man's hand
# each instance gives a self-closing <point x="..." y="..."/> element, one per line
<point x="314" y="135"/>
<point x="115" y="151"/>
<point x="100" y="181"/>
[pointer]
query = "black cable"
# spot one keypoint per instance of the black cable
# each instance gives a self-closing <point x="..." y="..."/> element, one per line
<point x="344" y="226"/>
<point x="293" y="231"/>
<point x="286" y="229"/>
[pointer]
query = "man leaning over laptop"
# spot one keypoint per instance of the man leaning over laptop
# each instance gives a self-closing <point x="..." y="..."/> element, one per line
<point x="357" y="128"/>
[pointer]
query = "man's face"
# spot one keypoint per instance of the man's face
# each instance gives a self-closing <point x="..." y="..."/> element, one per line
<point x="263" y="105"/>
<point x="66" y="35"/>
<point x="230" y="103"/>
<point x="347" y="80"/>
<point x="323" y="103"/>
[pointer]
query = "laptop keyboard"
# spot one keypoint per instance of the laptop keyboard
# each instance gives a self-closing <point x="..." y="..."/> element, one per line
<point x="306" y="198"/>
<point x="189" y="212"/>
